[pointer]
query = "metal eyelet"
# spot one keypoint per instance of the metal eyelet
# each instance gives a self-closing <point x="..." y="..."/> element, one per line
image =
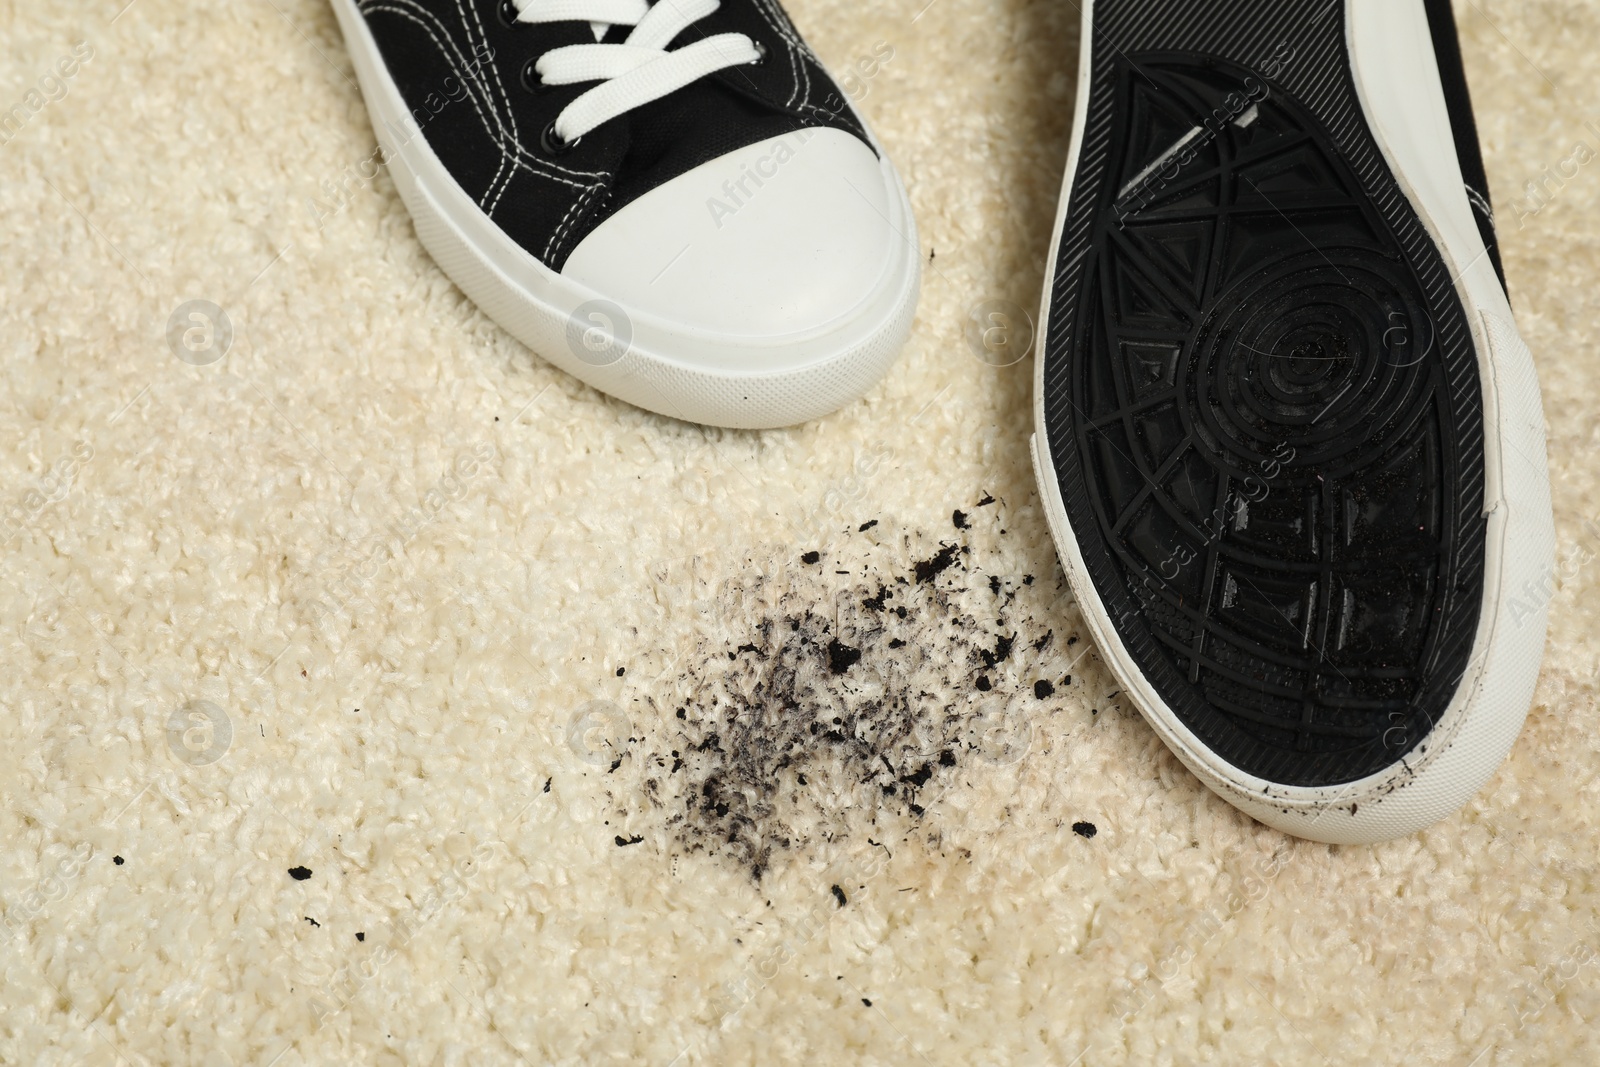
<point x="552" y="143"/>
<point x="509" y="13"/>
<point x="761" y="55"/>
<point x="531" y="79"/>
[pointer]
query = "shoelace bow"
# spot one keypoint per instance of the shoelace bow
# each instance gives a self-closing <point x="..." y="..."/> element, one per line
<point x="637" y="71"/>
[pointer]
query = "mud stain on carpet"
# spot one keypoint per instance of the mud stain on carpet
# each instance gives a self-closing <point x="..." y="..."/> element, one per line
<point x="833" y="693"/>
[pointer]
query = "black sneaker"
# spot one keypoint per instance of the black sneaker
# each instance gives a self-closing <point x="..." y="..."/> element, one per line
<point x="674" y="203"/>
<point x="1290" y="442"/>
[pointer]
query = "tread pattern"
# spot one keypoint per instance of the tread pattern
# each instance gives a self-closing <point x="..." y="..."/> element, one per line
<point x="1263" y="404"/>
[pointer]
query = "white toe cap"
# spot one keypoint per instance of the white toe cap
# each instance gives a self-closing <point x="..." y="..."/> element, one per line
<point x="772" y="241"/>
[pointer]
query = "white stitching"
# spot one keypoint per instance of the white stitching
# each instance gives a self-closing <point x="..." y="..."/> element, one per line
<point x="559" y="237"/>
<point x="503" y="132"/>
<point x="458" y="62"/>
<point x="1481" y="202"/>
<point x="519" y="158"/>
<point x="510" y="116"/>
<point x="796" y="64"/>
<point x="501" y="141"/>
<point x="796" y="51"/>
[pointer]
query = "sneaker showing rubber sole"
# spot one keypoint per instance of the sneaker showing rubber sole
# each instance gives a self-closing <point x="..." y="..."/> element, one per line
<point x="672" y="202"/>
<point x="1289" y="440"/>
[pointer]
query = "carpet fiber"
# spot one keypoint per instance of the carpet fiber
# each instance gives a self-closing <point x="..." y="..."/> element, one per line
<point x="377" y="694"/>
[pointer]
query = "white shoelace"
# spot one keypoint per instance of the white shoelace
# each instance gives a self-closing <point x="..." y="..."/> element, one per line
<point x="638" y="71"/>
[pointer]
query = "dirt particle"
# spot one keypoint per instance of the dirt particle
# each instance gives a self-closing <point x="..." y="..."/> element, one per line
<point x="1002" y="651"/>
<point x="361" y="935"/>
<point x="935" y="565"/>
<point x="958" y="519"/>
<point x="624" y="842"/>
<point x="864" y="527"/>
<point x="119" y="861"/>
<point x="811" y="557"/>
<point x="299" y="874"/>
<point x="867" y="1002"/>
<point x="838" y="894"/>
<point x="1043" y="689"/>
<point x="310" y="920"/>
<point x="983" y="683"/>
<point x="841" y="657"/>
<point x="1085" y="829"/>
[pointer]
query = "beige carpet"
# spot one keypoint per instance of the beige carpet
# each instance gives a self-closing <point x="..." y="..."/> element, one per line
<point x="377" y="694"/>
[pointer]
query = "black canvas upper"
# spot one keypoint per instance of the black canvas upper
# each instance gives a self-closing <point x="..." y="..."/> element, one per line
<point x="460" y="65"/>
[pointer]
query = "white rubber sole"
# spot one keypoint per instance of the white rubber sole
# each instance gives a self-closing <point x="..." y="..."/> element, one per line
<point x="653" y="364"/>
<point x="1396" y="76"/>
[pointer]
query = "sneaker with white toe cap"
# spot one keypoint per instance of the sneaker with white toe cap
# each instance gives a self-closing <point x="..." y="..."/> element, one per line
<point x="673" y="202"/>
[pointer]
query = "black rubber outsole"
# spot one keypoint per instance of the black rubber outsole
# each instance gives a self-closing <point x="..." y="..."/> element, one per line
<point x="1261" y="393"/>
